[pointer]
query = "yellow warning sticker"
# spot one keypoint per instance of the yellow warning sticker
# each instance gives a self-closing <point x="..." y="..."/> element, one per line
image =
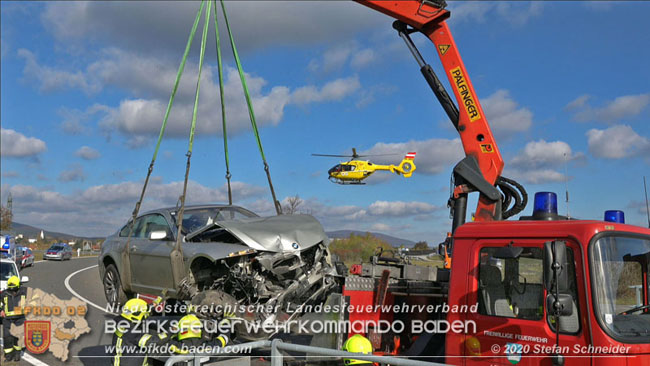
<point x="468" y="100"/>
<point x="487" y="148"/>
<point x="443" y="48"/>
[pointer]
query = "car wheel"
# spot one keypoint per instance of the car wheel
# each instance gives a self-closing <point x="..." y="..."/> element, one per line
<point x="113" y="290"/>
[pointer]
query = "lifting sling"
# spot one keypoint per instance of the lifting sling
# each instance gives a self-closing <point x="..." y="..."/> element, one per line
<point x="176" y="254"/>
<point x="251" y="113"/>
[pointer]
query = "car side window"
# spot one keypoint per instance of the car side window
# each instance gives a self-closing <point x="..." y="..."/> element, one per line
<point x="511" y="287"/>
<point x="151" y="223"/>
<point x="124" y="232"/>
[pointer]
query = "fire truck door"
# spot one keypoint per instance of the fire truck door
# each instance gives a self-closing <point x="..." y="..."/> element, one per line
<point x="512" y="322"/>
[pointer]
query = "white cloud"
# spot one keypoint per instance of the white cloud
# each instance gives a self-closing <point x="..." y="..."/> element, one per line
<point x="622" y="107"/>
<point x="51" y="79"/>
<point x="10" y="174"/>
<point x="137" y="25"/>
<point x="538" y="161"/>
<point x="617" y="142"/>
<point x="399" y="208"/>
<point x="151" y="79"/>
<point x="332" y="91"/>
<point x="15" y="144"/>
<point x="363" y="58"/>
<point x="87" y="153"/>
<point x="433" y="156"/>
<point x="75" y="121"/>
<point x="515" y="13"/>
<point x="100" y="210"/>
<point x="505" y="115"/>
<point x="74" y="173"/>
<point x="335" y="58"/>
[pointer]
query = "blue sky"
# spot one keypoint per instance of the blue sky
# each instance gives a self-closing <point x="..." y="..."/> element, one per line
<point x="84" y="87"/>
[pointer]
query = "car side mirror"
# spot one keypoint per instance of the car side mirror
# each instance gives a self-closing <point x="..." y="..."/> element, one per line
<point x="158" y="235"/>
<point x="555" y="261"/>
<point x="24" y="279"/>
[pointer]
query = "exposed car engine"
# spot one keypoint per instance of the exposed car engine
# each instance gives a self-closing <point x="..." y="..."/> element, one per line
<point x="279" y="282"/>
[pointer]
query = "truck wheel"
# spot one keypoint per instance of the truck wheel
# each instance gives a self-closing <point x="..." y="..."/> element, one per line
<point x="113" y="290"/>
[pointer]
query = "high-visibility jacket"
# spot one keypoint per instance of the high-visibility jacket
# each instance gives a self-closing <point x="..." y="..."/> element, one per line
<point x="129" y="346"/>
<point x="13" y="302"/>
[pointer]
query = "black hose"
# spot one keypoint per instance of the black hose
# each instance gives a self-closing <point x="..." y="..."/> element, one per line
<point x="512" y="190"/>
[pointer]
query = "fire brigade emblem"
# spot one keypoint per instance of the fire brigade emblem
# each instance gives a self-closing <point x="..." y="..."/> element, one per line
<point x="514" y="352"/>
<point x="37" y="336"/>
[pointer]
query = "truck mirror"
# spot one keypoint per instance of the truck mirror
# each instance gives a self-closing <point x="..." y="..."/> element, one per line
<point x="555" y="260"/>
<point x="441" y="249"/>
<point x="560" y="306"/>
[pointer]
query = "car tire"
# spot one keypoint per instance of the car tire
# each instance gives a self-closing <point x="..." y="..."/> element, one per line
<point x="113" y="290"/>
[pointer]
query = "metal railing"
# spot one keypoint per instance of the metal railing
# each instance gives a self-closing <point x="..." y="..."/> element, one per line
<point x="277" y="357"/>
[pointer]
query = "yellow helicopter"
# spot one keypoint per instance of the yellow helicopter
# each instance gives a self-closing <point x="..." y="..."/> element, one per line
<point x="355" y="171"/>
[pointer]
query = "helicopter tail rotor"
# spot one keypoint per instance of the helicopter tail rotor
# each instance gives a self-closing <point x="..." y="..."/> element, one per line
<point x="407" y="166"/>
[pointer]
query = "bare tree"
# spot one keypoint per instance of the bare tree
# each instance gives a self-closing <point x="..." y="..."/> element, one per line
<point x="291" y="207"/>
<point x="6" y="218"/>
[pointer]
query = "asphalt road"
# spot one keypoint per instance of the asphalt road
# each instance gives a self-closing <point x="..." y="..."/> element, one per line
<point x="82" y="276"/>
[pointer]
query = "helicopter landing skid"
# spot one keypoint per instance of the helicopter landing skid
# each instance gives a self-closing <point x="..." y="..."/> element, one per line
<point x="346" y="182"/>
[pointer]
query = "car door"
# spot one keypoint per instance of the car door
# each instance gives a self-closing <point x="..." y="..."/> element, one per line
<point x="150" y="258"/>
<point x="513" y="323"/>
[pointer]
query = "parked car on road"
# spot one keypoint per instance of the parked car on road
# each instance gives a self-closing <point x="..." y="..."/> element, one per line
<point x="230" y="255"/>
<point x="24" y="257"/>
<point x="8" y="268"/>
<point x="59" y="251"/>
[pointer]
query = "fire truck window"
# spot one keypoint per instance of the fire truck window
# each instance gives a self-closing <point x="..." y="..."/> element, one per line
<point x="511" y="287"/>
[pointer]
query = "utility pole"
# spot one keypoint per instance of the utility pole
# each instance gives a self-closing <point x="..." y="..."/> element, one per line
<point x="566" y="184"/>
<point x="647" y="207"/>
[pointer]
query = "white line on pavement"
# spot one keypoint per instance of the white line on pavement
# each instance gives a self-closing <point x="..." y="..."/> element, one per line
<point x="74" y="293"/>
<point x="31" y="359"/>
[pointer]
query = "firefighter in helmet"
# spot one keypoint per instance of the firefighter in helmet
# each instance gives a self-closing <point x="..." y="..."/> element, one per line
<point x="191" y="334"/>
<point x="130" y="339"/>
<point x="12" y="303"/>
<point x="357" y="344"/>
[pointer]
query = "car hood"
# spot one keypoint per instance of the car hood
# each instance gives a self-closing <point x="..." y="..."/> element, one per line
<point x="283" y="233"/>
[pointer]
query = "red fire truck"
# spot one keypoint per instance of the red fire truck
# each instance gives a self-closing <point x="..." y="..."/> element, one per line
<point x="542" y="290"/>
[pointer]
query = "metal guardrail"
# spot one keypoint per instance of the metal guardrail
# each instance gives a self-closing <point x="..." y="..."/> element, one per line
<point x="277" y="357"/>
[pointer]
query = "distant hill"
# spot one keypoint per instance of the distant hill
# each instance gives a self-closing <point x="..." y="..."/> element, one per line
<point x="33" y="232"/>
<point x="393" y="241"/>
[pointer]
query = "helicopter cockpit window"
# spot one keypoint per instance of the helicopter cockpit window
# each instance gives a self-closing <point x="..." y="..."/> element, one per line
<point x="335" y="169"/>
<point x="348" y="168"/>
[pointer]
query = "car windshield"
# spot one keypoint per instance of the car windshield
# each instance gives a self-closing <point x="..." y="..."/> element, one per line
<point x="56" y="248"/>
<point x="7" y="270"/>
<point x="619" y="267"/>
<point x="195" y="219"/>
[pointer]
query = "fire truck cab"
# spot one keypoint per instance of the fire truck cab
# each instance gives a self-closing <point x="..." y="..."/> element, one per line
<point x="607" y="280"/>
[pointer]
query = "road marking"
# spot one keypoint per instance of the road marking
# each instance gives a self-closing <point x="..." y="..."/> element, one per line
<point x="31" y="359"/>
<point x="75" y="294"/>
<point x="84" y="257"/>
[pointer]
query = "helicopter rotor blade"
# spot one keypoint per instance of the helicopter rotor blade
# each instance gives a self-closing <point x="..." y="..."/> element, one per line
<point x="335" y="156"/>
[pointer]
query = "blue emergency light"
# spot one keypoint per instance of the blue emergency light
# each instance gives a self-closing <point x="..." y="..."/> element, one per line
<point x="545" y="204"/>
<point x="7" y="244"/>
<point x="615" y="216"/>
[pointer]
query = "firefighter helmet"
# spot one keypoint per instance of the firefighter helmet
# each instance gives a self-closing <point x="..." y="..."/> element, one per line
<point x="189" y="327"/>
<point x="357" y="344"/>
<point x="13" y="282"/>
<point x="135" y="310"/>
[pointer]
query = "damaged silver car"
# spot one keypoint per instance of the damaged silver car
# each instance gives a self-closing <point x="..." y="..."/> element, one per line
<point x="230" y="256"/>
